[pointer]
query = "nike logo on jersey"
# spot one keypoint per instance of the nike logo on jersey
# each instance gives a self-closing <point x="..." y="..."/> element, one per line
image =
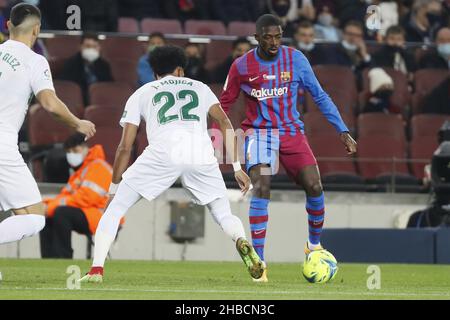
<point x="252" y="79"/>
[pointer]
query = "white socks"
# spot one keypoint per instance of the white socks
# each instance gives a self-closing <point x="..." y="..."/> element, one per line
<point x="17" y="227"/>
<point x="106" y="232"/>
<point x="230" y="224"/>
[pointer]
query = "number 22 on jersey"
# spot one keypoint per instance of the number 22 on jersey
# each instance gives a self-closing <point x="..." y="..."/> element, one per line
<point x="168" y="100"/>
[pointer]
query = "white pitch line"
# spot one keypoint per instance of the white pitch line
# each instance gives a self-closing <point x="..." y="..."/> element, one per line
<point x="374" y="293"/>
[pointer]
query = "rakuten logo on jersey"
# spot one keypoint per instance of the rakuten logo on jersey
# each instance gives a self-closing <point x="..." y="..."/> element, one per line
<point x="263" y="94"/>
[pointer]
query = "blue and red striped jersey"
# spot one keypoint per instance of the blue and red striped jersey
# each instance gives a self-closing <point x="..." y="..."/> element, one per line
<point x="272" y="88"/>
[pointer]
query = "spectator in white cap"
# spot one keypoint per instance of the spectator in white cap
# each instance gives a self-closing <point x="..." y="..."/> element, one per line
<point x="381" y="87"/>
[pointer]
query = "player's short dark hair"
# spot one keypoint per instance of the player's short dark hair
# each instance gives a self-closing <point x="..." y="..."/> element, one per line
<point x="75" y="140"/>
<point x="166" y="59"/>
<point x="89" y="36"/>
<point x="157" y="34"/>
<point x="22" y="11"/>
<point x="354" y="23"/>
<point x="267" y="20"/>
<point x="240" y="40"/>
<point x="395" y="30"/>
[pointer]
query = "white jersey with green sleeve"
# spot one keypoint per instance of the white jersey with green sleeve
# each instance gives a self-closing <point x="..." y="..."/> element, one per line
<point x="175" y="110"/>
<point x="22" y="74"/>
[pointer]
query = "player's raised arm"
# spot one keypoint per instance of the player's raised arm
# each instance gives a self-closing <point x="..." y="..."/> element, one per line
<point x="325" y="104"/>
<point x="50" y="102"/>
<point x="229" y="136"/>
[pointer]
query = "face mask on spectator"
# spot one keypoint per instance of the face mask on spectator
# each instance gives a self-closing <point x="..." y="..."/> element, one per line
<point x="444" y="50"/>
<point x="305" y="46"/>
<point x="74" y="159"/>
<point x="349" y="46"/>
<point x="325" y="19"/>
<point x="90" y="54"/>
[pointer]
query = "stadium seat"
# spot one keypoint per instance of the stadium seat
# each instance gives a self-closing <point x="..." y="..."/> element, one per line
<point x="62" y="47"/>
<point x="241" y="29"/>
<point x="427" y="125"/>
<point x="216" y="53"/>
<point x="70" y="93"/>
<point x="128" y="25"/>
<point x="376" y="155"/>
<point x="111" y="94"/>
<point x="204" y="27"/>
<point x="56" y="66"/>
<point x="330" y="146"/>
<point x="124" y="70"/>
<point x="109" y="138"/>
<point x="149" y="25"/>
<point x="401" y="96"/>
<point x="122" y="48"/>
<point x="425" y="80"/>
<point x="317" y="125"/>
<point x="104" y="116"/>
<point x="381" y="124"/>
<point x="344" y="101"/>
<point x="335" y="76"/>
<point x="43" y="129"/>
<point x="421" y="148"/>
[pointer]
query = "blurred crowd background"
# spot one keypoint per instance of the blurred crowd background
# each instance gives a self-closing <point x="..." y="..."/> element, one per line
<point x="391" y="84"/>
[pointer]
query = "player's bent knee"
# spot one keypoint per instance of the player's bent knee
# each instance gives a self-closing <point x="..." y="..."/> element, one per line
<point x="314" y="189"/>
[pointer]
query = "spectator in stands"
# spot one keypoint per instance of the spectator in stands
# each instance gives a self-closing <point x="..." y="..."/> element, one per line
<point x="381" y="87"/>
<point x="425" y="19"/>
<point x="234" y="10"/>
<point x="438" y="58"/>
<point x="140" y="9"/>
<point x="240" y="47"/>
<point x="98" y="15"/>
<point x="80" y="204"/>
<point x="325" y="27"/>
<point x="187" y="9"/>
<point x="144" y="70"/>
<point x="304" y="41"/>
<point x="438" y="100"/>
<point x="350" y="10"/>
<point x="352" y="50"/>
<point x="393" y="54"/>
<point x="287" y="11"/>
<point x="195" y="67"/>
<point x="2" y="16"/>
<point x="87" y="67"/>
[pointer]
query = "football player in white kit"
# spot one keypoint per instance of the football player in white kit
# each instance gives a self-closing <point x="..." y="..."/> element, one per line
<point x="175" y="110"/>
<point x="22" y="74"/>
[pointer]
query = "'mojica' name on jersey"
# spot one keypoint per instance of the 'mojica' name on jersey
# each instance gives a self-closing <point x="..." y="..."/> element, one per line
<point x="176" y="81"/>
<point x="263" y="93"/>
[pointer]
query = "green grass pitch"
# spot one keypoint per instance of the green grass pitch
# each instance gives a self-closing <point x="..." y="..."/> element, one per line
<point x="47" y="279"/>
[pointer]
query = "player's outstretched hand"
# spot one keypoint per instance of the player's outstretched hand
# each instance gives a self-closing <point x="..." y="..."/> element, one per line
<point x="87" y="128"/>
<point x="243" y="180"/>
<point x="349" y="142"/>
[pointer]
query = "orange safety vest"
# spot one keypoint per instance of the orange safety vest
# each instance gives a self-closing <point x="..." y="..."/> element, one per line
<point x="86" y="189"/>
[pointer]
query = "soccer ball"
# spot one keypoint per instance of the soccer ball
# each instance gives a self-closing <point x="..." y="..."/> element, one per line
<point x="320" y="266"/>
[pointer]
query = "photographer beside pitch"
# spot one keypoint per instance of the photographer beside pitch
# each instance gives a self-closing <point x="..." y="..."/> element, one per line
<point x="22" y="74"/>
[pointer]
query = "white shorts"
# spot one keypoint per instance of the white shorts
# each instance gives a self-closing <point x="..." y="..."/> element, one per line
<point x="18" y="189"/>
<point x="151" y="175"/>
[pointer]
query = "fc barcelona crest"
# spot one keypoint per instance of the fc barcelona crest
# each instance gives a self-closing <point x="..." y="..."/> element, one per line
<point x="285" y="76"/>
